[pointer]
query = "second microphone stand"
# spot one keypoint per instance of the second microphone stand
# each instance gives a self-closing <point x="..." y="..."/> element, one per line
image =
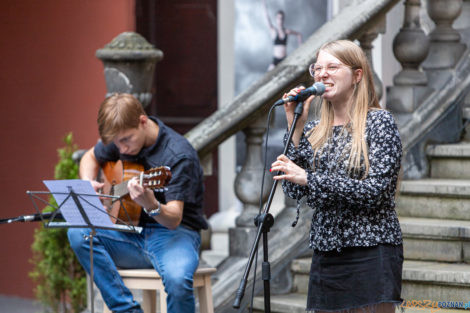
<point x="264" y="222"/>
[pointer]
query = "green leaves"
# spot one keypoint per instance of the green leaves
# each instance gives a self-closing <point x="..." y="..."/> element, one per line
<point x="66" y="168"/>
<point x="60" y="279"/>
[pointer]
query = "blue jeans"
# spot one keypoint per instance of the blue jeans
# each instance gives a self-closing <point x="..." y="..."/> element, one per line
<point x="173" y="253"/>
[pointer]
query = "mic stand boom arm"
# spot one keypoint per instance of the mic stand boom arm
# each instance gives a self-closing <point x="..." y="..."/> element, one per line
<point x="264" y="222"/>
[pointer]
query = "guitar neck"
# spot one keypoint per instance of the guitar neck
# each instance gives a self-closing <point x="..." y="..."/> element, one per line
<point x="120" y="190"/>
<point x="154" y="179"/>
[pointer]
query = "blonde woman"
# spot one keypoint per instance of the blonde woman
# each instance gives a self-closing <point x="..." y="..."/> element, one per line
<point x="346" y="165"/>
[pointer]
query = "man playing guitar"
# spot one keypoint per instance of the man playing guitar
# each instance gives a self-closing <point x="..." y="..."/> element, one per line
<point x="171" y="220"/>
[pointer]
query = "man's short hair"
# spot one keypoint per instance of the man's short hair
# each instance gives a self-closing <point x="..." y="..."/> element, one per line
<point x="120" y="111"/>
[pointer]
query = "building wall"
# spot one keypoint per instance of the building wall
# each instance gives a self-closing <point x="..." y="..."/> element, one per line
<point x="51" y="83"/>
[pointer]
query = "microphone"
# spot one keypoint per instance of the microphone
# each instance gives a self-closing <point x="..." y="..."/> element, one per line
<point x="31" y="218"/>
<point x="316" y="89"/>
<point x="39" y="217"/>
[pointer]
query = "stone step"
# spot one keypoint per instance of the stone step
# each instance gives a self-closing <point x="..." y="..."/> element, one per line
<point x="212" y="258"/>
<point x="424" y="239"/>
<point x="422" y="280"/>
<point x="450" y="160"/>
<point x="300" y="274"/>
<point x="435" y="198"/>
<point x="291" y="302"/>
<point x="296" y="303"/>
<point x="424" y="307"/>
<point x="218" y="251"/>
<point x="436" y="239"/>
<point x="439" y="281"/>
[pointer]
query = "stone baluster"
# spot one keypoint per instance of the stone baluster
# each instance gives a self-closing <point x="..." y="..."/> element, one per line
<point x="129" y="65"/>
<point x="366" y="40"/>
<point x="410" y="46"/>
<point x="446" y="48"/>
<point x="248" y="188"/>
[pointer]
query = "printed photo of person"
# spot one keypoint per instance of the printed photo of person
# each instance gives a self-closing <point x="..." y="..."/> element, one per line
<point x="267" y="31"/>
<point x="279" y="34"/>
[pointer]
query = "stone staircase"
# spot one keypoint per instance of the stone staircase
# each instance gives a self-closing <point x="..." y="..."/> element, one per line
<point x="435" y="218"/>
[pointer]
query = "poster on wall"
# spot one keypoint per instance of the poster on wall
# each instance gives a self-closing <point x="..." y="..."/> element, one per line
<point x="266" y="31"/>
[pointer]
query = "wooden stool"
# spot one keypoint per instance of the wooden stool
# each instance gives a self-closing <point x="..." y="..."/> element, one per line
<point x="149" y="281"/>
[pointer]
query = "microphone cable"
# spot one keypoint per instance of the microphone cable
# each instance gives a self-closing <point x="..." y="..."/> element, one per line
<point x="261" y="198"/>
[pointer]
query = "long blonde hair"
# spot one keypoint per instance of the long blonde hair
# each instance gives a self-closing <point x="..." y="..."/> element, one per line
<point x="363" y="99"/>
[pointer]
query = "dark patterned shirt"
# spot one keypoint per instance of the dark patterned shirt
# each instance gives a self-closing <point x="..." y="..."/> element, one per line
<point x="347" y="210"/>
<point x="186" y="184"/>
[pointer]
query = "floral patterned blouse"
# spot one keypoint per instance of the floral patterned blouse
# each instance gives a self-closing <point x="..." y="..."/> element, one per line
<point x="347" y="210"/>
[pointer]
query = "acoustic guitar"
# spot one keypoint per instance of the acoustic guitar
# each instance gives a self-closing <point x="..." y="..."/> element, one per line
<point x="117" y="175"/>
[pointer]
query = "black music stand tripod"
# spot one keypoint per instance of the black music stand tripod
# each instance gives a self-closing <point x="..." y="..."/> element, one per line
<point x="80" y="210"/>
<point x="264" y="222"/>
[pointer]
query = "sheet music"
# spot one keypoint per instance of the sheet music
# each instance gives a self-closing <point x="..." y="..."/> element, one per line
<point x="88" y="198"/>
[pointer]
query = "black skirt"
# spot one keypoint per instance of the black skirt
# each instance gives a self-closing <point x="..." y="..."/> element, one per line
<point x="355" y="277"/>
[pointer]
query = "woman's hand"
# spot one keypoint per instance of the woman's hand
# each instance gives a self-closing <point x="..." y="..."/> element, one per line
<point x="289" y="108"/>
<point x="292" y="172"/>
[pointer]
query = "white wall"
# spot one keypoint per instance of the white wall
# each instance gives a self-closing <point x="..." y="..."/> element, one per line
<point x="226" y="87"/>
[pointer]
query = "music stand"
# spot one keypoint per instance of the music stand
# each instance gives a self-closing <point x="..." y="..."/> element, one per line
<point x="81" y="207"/>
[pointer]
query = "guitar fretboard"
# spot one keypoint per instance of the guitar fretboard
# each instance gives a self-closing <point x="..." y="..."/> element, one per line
<point x="120" y="190"/>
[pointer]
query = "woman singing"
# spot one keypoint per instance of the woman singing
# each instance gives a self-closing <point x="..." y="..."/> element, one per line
<point x="347" y="165"/>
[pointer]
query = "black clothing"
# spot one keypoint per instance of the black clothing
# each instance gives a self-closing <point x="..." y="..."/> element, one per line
<point x="280" y="41"/>
<point x="357" y="277"/>
<point x="349" y="211"/>
<point x="172" y="150"/>
<point x="355" y="233"/>
<point x="276" y="61"/>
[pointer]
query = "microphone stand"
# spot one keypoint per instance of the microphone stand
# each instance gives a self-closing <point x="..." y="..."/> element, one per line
<point x="264" y="222"/>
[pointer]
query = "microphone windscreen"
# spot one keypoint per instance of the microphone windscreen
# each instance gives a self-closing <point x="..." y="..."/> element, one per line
<point x="320" y="87"/>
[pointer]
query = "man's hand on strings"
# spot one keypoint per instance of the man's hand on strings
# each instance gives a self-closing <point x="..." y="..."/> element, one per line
<point x="140" y="194"/>
<point x="290" y="171"/>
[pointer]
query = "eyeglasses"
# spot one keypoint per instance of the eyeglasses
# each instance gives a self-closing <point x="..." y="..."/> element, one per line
<point x="316" y="69"/>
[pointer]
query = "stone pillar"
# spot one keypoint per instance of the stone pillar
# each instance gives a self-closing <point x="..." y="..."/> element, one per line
<point x="129" y="65"/>
<point x="248" y="188"/>
<point x="410" y="47"/>
<point x="446" y="48"/>
<point x="366" y="40"/>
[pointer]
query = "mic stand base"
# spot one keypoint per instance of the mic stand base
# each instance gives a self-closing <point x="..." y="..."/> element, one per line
<point x="266" y="221"/>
